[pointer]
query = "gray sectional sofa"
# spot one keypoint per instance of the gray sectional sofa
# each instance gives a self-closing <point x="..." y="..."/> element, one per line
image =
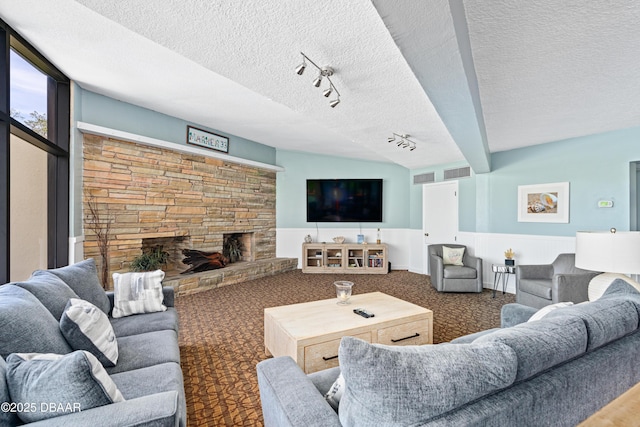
<point x="555" y="371"/>
<point x="147" y="373"/>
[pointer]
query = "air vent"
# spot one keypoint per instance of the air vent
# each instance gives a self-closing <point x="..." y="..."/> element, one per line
<point x="424" y="178"/>
<point x="457" y="173"/>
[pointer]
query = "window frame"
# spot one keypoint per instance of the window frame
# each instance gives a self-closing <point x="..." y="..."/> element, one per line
<point x="57" y="145"/>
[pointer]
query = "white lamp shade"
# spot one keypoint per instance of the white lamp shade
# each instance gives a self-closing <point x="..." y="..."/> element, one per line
<point x="608" y="252"/>
<point x="614" y="254"/>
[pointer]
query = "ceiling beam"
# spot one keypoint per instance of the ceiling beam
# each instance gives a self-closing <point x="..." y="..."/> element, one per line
<point x="433" y="38"/>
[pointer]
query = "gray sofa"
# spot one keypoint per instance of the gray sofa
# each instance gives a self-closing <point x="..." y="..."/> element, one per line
<point x="555" y="371"/>
<point x="560" y="281"/>
<point x="147" y="372"/>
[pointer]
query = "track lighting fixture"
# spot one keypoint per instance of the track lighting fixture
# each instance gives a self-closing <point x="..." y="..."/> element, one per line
<point x="325" y="71"/>
<point x="403" y="141"/>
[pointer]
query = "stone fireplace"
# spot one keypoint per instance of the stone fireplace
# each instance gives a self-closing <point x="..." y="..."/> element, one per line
<point x="156" y="196"/>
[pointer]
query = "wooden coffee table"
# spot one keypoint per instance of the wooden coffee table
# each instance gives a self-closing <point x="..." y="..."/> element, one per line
<point x="310" y="332"/>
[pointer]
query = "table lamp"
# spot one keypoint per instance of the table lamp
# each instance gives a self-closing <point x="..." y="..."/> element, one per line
<point x="614" y="253"/>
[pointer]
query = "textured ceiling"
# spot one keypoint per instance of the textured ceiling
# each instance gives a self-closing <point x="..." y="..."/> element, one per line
<point x="555" y="69"/>
<point x="463" y="78"/>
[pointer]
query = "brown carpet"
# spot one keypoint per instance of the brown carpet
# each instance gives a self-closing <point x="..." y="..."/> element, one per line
<point x="221" y="336"/>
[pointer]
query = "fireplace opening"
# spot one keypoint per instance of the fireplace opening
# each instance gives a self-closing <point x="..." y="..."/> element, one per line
<point x="173" y="246"/>
<point x="238" y="247"/>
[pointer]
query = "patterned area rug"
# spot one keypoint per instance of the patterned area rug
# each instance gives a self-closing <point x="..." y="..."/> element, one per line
<point x="222" y="332"/>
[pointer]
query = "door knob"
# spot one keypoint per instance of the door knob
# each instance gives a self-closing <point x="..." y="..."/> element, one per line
<point x="426" y="234"/>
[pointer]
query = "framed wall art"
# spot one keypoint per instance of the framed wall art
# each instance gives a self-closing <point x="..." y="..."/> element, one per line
<point x="206" y="139"/>
<point x="544" y="202"/>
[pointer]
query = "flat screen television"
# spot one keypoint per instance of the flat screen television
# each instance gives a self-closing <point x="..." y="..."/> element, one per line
<point x="344" y="200"/>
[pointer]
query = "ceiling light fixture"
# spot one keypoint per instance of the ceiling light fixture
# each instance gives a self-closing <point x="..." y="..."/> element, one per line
<point x="403" y="142"/>
<point x="326" y="72"/>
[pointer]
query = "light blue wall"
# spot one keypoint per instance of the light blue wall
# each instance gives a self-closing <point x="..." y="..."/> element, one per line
<point x="101" y="110"/>
<point x="104" y="111"/>
<point x="596" y="167"/>
<point x="291" y="191"/>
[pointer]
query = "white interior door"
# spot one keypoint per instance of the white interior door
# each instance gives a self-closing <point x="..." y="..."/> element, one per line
<point x="439" y="215"/>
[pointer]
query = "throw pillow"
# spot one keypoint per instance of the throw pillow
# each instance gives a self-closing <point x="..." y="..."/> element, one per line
<point x="51" y="290"/>
<point x="452" y="256"/>
<point x="54" y="384"/>
<point x="548" y="309"/>
<point x="137" y="293"/>
<point x="82" y="277"/>
<point x="335" y="393"/>
<point x="86" y="327"/>
<point x="26" y="325"/>
<point x="408" y="385"/>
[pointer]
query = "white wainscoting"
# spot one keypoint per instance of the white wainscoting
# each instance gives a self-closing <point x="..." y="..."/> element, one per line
<point x="529" y="249"/>
<point x="408" y="252"/>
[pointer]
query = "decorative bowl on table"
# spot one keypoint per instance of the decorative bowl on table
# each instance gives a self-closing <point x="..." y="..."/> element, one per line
<point x="339" y="239"/>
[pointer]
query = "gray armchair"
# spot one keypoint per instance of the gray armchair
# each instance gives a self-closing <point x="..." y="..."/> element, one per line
<point x="454" y="278"/>
<point x="545" y="284"/>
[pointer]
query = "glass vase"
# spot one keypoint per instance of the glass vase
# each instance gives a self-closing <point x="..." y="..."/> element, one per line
<point x="343" y="291"/>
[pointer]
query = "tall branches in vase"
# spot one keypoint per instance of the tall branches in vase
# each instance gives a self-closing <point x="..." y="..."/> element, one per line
<point x="99" y="222"/>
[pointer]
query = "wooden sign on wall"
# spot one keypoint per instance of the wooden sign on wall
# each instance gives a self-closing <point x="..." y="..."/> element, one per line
<point x="206" y="139"/>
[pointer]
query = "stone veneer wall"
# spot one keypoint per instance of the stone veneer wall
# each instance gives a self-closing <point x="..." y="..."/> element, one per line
<point x="153" y="192"/>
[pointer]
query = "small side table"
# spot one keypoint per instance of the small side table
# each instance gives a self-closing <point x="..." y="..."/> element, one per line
<point x="501" y="272"/>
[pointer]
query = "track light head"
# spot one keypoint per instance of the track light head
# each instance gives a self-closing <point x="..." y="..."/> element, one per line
<point x="325" y="71"/>
<point x="391" y="139"/>
<point x="413" y="147"/>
